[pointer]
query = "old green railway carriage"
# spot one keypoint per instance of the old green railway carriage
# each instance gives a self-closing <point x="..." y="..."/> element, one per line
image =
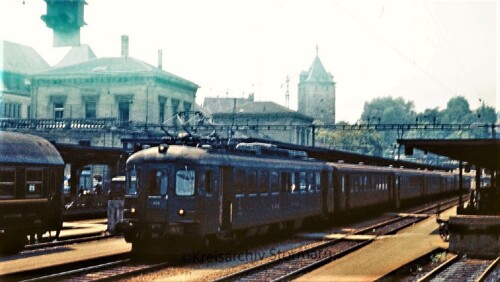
<point x="31" y="183"/>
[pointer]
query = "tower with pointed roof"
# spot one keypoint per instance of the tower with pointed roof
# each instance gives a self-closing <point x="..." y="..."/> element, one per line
<point x="316" y="93"/>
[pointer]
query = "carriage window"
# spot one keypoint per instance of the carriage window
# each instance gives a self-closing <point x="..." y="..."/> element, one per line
<point x="343" y="183"/>
<point x="34" y="180"/>
<point x="133" y="187"/>
<point x="158" y="181"/>
<point x="251" y="181"/>
<point x="284" y="179"/>
<point x="311" y="181"/>
<point x="184" y="182"/>
<point x="293" y="183"/>
<point x="240" y="181"/>
<point x="208" y="182"/>
<point x="274" y="180"/>
<point x="263" y="181"/>
<point x="302" y="181"/>
<point x="7" y="183"/>
<point x="318" y="181"/>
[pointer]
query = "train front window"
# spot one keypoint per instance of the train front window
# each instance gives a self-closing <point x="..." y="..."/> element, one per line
<point x="7" y="183"/>
<point x="34" y="180"/>
<point x="184" y="182"/>
<point x="132" y="182"/>
<point x="158" y="181"/>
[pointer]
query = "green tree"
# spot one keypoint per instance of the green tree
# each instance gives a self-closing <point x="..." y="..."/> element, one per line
<point x="485" y="117"/>
<point x="358" y="141"/>
<point x="388" y="110"/>
<point x="457" y="111"/>
<point x="486" y="114"/>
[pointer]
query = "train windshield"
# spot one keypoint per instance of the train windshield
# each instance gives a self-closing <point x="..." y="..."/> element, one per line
<point x="158" y="182"/>
<point x="184" y="182"/>
<point x="133" y="182"/>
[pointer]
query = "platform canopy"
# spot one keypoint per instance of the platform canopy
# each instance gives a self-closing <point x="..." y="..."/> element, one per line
<point x="479" y="152"/>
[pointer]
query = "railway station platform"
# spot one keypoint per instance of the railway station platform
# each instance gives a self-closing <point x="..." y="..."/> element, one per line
<point x="385" y="254"/>
<point x="475" y="235"/>
<point x="74" y="229"/>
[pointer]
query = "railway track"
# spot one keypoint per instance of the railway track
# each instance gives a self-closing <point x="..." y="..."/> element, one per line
<point x="439" y="265"/>
<point x="51" y="273"/>
<point x="465" y="269"/>
<point x="116" y="268"/>
<point x="67" y="240"/>
<point x="290" y="264"/>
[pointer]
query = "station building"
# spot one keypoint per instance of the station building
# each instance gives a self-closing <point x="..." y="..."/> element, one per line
<point x="122" y="88"/>
<point x="266" y="120"/>
<point x="18" y="62"/>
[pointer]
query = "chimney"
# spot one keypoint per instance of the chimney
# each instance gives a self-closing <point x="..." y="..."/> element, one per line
<point x="124" y="45"/>
<point x="160" y="59"/>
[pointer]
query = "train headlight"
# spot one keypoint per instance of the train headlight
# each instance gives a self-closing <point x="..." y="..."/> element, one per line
<point x="181" y="212"/>
<point x="132" y="210"/>
<point x="162" y="148"/>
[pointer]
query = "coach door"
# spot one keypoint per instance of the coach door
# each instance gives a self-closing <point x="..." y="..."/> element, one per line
<point x="226" y="204"/>
<point x="397" y="189"/>
<point x="324" y="192"/>
<point x="391" y="189"/>
<point x="347" y="191"/>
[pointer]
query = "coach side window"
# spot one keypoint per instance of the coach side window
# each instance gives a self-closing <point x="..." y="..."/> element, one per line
<point x="252" y="179"/>
<point x="317" y="177"/>
<point x="342" y="184"/>
<point x="7" y="183"/>
<point x="208" y="182"/>
<point x="133" y="187"/>
<point x="311" y="181"/>
<point x="240" y="181"/>
<point x="274" y="180"/>
<point x="184" y="182"/>
<point x="356" y="186"/>
<point x="34" y="180"/>
<point x="284" y="179"/>
<point x="263" y="181"/>
<point x="293" y="182"/>
<point x="302" y="181"/>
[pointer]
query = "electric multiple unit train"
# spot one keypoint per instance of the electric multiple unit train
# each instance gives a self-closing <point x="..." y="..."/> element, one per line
<point x="182" y="197"/>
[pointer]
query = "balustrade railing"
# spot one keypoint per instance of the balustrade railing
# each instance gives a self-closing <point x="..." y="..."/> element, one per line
<point x="83" y="123"/>
<point x="486" y="130"/>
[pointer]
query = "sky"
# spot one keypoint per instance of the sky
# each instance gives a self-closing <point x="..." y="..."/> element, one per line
<point x="423" y="51"/>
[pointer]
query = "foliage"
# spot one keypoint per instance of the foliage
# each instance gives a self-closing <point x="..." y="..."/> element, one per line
<point x="362" y="142"/>
<point x="388" y="110"/>
<point x="457" y="111"/>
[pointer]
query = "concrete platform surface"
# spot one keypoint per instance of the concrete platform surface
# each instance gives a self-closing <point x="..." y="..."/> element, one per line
<point x="60" y="255"/>
<point x="384" y="255"/>
<point x="85" y="227"/>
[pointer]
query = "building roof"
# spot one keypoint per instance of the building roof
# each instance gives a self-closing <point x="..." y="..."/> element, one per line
<point x="76" y="55"/>
<point x="114" y="66"/>
<point x="241" y="106"/>
<point x="316" y="73"/>
<point x="19" y="58"/>
<point x="27" y="149"/>
<point x="480" y="152"/>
